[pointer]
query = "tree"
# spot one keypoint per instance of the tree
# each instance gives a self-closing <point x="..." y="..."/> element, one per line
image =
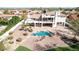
<point x="3" y="22"/>
<point x="6" y="11"/>
<point x="75" y="26"/>
<point x="24" y="15"/>
<point x="44" y="11"/>
<point x="14" y="20"/>
<point x="61" y="8"/>
<point x="77" y="9"/>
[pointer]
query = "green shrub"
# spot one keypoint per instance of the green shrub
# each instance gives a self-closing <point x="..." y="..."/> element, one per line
<point x="11" y="23"/>
<point x="14" y="20"/>
<point x="2" y="47"/>
<point x="3" y="22"/>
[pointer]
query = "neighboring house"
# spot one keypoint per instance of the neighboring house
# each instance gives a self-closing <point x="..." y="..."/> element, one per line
<point x="73" y="16"/>
<point x="15" y="12"/>
<point x="7" y="16"/>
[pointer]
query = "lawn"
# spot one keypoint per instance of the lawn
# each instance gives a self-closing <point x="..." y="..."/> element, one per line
<point x="60" y="49"/>
<point x="22" y="48"/>
<point x="71" y="48"/>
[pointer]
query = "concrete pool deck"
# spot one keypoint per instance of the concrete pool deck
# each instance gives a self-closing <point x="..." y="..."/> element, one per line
<point x="30" y="42"/>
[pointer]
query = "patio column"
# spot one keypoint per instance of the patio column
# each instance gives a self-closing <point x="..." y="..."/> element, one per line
<point x="34" y="24"/>
<point x="52" y="22"/>
<point x="55" y="24"/>
<point x="42" y="23"/>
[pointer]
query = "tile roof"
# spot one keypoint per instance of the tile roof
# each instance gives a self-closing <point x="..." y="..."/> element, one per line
<point x="6" y="15"/>
<point x="73" y="16"/>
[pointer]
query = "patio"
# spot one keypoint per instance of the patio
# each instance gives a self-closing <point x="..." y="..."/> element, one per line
<point x="33" y="42"/>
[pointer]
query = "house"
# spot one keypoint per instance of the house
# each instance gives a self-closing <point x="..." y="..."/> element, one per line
<point x="7" y="16"/>
<point x="54" y="19"/>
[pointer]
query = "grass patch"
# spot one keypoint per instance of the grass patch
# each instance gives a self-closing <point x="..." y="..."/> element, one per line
<point x="22" y="48"/>
<point x="11" y="23"/>
<point x="71" y="48"/>
<point x="60" y="49"/>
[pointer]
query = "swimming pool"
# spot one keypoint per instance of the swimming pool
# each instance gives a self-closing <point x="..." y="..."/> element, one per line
<point x="43" y="33"/>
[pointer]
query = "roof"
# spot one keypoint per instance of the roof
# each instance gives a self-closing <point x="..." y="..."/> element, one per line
<point x="73" y="16"/>
<point x="37" y="15"/>
<point x="50" y="13"/>
<point x="7" y="15"/>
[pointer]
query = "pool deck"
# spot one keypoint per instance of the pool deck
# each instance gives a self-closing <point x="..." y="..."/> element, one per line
<point x="32" y="42"/>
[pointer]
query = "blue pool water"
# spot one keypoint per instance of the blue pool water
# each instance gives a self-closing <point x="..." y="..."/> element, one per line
<point x="43" y="33"/>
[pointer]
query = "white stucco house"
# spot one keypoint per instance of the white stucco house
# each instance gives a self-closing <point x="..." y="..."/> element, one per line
<point x="54" y="20"/>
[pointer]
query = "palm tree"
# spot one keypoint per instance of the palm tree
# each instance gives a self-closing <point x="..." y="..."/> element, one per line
<point x="44" y="11"/>
<point x="24" y="15"/>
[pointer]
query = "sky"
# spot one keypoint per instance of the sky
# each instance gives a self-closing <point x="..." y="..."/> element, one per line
<point x="39" y="3"/>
